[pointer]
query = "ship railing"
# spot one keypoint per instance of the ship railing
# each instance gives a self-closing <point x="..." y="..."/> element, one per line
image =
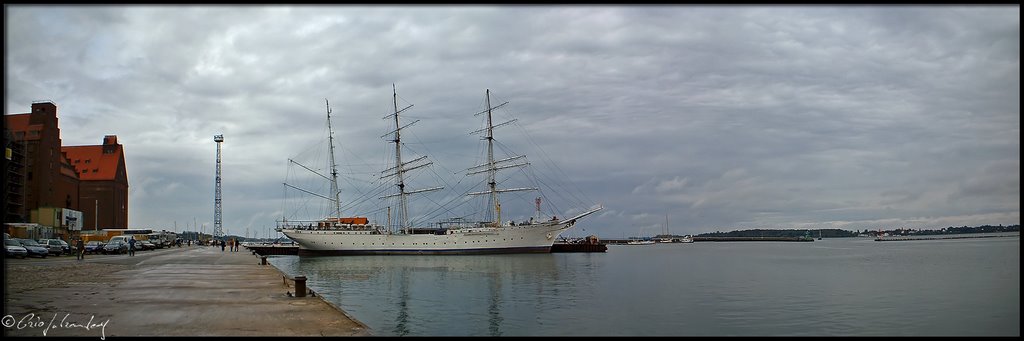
<point x="314" y="225"/>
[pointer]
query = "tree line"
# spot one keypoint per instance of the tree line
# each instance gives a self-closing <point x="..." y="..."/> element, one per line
<point x="840" y="233"/>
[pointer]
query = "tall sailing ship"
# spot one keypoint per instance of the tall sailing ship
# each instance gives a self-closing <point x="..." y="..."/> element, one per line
<point x="337" y="235"/>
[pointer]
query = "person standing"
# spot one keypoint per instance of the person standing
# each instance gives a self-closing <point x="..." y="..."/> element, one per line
<point x="81" y="248"/>
<point x="131" y="246"/>
<point x="222" y="244"/>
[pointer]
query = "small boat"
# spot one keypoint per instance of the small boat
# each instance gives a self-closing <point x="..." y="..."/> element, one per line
<point x="638" y="241"/>
<point x="666" y="238"/>
<point x="589" y="244"/>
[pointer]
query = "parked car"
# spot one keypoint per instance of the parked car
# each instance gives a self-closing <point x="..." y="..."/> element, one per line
<point x="53" y="245"/>
<point x="34" y="249"/>
<point x="14" y="248"/>
<point x="123" y="239"/>
<point x="147" y="245"/>
<point x="94" y="246"/>
<point x="68" y="249"/>
<point x="115" y="247"/>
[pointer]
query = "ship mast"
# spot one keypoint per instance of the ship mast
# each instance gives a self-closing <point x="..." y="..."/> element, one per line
<point x="490" y="163"/>
<point x="334" y="166"/>
<point x="400" y="168"/>
<point x="494" y="165"/>
<point x="403" y="209"/>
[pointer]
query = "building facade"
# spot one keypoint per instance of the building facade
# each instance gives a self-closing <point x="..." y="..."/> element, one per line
<point x="14" y="179"/>
<point x="103" y="188"/>
<point x="49" y="181"/>
<point x="41" y="173"/>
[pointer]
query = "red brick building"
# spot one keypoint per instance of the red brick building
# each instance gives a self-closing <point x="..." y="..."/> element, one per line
<point x="104" y="182"/>
<point x="49" y="180"/>
<point x="47" y="174"/>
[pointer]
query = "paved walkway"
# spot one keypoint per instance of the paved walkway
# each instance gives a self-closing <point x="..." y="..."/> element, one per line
<point x="197" y="291"/>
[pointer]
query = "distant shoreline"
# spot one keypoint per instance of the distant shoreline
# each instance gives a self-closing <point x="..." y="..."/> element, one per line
<point x="840" y="233"/>
<point x="938" y="237"/>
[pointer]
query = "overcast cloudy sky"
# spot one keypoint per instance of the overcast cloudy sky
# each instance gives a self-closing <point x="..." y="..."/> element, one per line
<point x="718" y="118"/>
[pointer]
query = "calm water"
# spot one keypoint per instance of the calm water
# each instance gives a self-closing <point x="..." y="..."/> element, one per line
<point x="830" y="287"/>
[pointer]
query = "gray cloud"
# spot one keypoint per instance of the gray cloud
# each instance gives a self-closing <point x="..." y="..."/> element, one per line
<point x="720" y="117"/>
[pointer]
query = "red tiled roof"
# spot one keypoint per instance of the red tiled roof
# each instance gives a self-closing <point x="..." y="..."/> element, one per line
<point x="91" y="163"/>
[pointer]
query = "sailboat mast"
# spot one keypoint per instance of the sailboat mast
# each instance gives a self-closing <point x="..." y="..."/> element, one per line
<point x="334" y="166"/>
<point x="403" y="210"/>
<point x="490" y="163"/>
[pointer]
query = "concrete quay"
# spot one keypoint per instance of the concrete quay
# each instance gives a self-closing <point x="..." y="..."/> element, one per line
<point x="188" y="291"/>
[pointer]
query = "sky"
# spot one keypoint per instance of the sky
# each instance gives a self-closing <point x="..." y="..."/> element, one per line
<point x="678" y="118"/>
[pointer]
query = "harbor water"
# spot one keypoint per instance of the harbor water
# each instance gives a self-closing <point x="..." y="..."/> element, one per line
<point x="829" y="287"/>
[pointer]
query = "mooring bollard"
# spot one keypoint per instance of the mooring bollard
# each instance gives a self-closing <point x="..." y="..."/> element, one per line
<point x="300" y="286"/>
<point x="263" y="260"/>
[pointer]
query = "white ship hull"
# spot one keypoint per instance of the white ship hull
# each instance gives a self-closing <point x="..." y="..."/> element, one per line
<point x="481" y="240"/>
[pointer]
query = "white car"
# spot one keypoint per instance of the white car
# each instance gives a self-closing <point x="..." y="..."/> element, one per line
<point x="14" y="249"/>
<point x="54" y="246"/>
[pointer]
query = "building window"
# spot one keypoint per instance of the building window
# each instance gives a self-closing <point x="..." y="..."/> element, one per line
<point x="88" y="160"/>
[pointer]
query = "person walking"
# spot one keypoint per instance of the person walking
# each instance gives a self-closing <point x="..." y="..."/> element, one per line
<point x="222" y="244"/>
<point x="81" y="248"/>
<point x="131" y="246"/>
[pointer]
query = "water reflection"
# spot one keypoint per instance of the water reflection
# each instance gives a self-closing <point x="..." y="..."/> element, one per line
<point x="494" y="309"/>
<point x="459" y="295"/>
<point x="401" y="328"/>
